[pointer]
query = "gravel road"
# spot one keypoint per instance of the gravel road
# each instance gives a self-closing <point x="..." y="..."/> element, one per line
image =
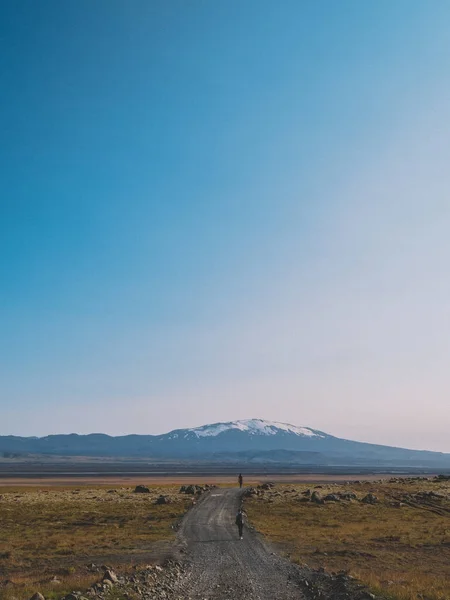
<point x="223" y="567"/>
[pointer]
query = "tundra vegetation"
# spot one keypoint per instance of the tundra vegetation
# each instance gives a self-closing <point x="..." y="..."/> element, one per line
<point x="52" y="539"/>
<point x="392" y="535"/>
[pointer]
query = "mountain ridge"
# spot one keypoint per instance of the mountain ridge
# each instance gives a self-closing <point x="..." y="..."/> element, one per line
<point x="249" y="439"/>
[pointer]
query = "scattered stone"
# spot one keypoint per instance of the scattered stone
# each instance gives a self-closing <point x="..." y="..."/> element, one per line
<point x="163" y="500"/>
<point x="347" y="496"/>
<point x="141" y="489"/>
<point x="110" y="575"/>
<point x="266" y="486"/>
<point x="317" y="498"/>
<point x="370" y="499"/>
<point x="331" y="498"/>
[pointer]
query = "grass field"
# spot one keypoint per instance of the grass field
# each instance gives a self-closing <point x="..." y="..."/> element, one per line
<point x="55" y="533"/>
<point x="400" y="545"/>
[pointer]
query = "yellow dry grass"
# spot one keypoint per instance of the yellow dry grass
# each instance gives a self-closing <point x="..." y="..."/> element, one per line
<point x="403" y="551"/>
<point x="58" y="531"/>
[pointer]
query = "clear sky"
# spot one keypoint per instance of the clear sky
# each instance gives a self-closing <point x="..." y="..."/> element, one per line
<point x="213" y="210"/>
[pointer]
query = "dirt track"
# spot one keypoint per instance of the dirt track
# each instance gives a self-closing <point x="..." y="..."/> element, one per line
<point x="221" y="566"/>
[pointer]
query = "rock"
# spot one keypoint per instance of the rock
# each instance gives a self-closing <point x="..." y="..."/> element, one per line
<point x="162" y="500"/>
<point x="266" y="486"/>
<point x="370" y="499"/>
<point x="347" y="496"/>
<point x="317" y="498"/>
<point x="250" y="492"/>
<point x="37" y="596"/>
<point x="182" y="489"/>
<point x="141" y="489"/>
<point x="190" y="489"/>
<point x="110" y="575"/>
<point x="332" y="498"/>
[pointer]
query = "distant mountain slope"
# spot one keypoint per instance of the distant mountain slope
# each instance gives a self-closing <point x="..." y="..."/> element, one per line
<point x="248" y="440"/>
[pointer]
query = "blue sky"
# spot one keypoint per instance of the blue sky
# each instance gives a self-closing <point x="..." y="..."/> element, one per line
<point x="222" y="210"/>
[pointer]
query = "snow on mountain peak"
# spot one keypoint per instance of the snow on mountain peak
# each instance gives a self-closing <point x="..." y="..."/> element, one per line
<point x="254" y="427"/>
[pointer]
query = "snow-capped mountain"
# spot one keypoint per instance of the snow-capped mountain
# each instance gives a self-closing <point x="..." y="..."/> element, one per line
<point x="254" y="427"/>
<point x="248" y="434"/>
<point x="245" y="441"/>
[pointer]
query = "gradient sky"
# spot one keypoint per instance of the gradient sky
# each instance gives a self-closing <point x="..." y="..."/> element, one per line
<point x="213" y="210"/>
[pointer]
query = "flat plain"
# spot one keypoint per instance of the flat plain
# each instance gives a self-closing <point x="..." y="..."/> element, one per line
<point x="56" y="537"/>
<point x="399" y="545"/>
<point x="50" y="535"/>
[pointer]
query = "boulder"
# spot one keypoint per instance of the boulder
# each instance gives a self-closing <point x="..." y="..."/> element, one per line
<point x="266" y="486"/>
<point x="110" y="575"/>
<point x="317" y="498"/>
<point x="162" y="500"/>
<point x="370" y="499"/>
<point x="37" y="596"/>
<point x="347" y="496"/>
<point x="332" y="498"/>
<point x="141" y="489"/>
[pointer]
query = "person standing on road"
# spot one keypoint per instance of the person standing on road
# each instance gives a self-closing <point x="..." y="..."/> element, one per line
<point x="240" y="522"/>
<point x="240" y="480"/>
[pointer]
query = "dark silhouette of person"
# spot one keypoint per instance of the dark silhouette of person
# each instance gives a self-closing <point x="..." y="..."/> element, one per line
<point x="240" y="480"/>
<point x="240" y="522"/>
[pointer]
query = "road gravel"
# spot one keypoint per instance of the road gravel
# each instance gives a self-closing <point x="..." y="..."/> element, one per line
<point x="223" y="567"/>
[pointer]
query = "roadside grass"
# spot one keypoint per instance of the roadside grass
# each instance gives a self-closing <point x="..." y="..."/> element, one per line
<point x="25" y="587"/>
<point x="57" y="532"/>
<point x="402" y="551"/>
